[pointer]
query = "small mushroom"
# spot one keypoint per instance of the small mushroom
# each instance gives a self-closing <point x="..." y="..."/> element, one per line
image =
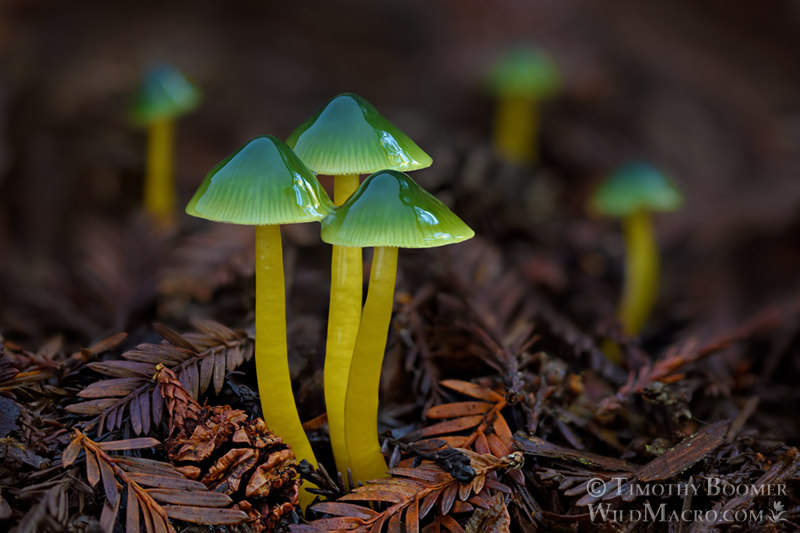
<point x="265" y="184"/>
<point x="388" y="211"/>
<point x="163" y="95"/>
<point x="632" y="193"/>
<point x="345" y="138"/>
<point x="520" y="81"/>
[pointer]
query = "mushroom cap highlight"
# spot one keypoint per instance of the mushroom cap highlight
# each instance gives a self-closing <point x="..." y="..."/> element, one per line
<point x="525" y="71"/>
<point x="390" y="209"/>
<point x="635" y="187"/>
<point x="164" y="93"/>
<point x="262" y="183"/>
<point x="348" y="136"/>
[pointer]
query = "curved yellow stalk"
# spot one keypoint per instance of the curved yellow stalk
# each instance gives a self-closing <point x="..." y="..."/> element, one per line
<point x="641" y="272"/>
<point x="361" y="407"/>
<point x="344" y="316"/>
<point x="516" y="127"/>
<point x="271" y="354"/>
<point x="159" y="186"/>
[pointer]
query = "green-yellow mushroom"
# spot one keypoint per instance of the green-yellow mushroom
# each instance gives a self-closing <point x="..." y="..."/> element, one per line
<point x="520" y="81"/>
<point x="388" y="211"/>
<point x="164" y="95"/>
<point x="632" y="193"/>
<point x="345" y="138"/>
<point x="264" y="184"/>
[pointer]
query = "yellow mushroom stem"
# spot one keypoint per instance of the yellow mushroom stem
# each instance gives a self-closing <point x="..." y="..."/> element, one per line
<point x="271" y="354"/>
<point x="516" y="128"/>
<point x="361" y="407"/>
<point x="344" y="317"/>
<point x="159" y="186"/>
<point x="641" y="272"/>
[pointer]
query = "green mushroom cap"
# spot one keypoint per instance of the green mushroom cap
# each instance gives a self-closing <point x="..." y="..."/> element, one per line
<point x="635" y="187"/>
<point x="525" y="72"/>
<point x="348" y="136"/>
<point x="262" y="183"/>
<point x="390" y="209"/>
<point x="164" y="93"/>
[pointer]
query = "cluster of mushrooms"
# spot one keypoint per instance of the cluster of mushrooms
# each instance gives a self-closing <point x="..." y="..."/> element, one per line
<point x="267" y="183"/>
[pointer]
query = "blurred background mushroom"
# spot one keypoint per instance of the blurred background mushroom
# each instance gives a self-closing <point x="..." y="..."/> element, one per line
<point x="520" y="81"/>
<point x="164" y="95"/>
<point x="633" y="193"/>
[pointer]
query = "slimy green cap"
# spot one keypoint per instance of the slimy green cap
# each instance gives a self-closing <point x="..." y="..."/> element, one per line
<point x="164" y="93"/>
<point x="348" y="136"/>
<point x="390" y="209"/>
<point x="525" y="71"/>
<point x="262" y="183"/>
<point x="634" y="187"/>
